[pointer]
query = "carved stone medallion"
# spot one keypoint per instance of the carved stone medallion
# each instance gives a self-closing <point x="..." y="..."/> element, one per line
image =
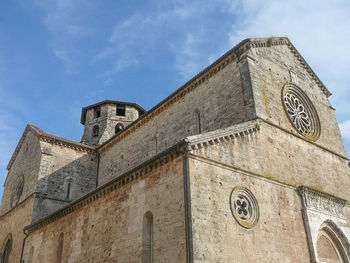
<point x="301" y="112"/>
<point x="244" y="207"/>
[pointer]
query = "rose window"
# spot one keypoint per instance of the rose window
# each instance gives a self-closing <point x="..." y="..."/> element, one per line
<point x="301" y="112"/>
<point x="244" y="207"/>
<point x="297" y="113"/>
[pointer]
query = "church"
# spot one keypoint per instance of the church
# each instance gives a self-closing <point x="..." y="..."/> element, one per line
<point x="243" y="163"/>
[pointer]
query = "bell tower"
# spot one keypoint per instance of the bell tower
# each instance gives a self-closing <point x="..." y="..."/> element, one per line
<point x="105" y="119"/>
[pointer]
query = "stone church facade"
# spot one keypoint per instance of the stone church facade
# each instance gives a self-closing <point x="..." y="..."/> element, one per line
<point x="243" y="163"/>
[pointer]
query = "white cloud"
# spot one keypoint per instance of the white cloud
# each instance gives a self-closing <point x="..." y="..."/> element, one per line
<point x="172" y="26"/>
<point x="320" y="30"/>
<point x="345" y="129"/>
<point x="64" y="16"/>
<point x="65" y="20"/>
<point x="187" y="57"/>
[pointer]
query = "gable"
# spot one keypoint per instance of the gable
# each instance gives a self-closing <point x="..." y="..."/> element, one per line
<point x="272" y="68"/>
<point x="21" y="178"/>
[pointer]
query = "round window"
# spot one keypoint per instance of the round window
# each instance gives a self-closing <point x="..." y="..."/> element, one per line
<point x="301" y="112"/>
<point x="244" y="207"/>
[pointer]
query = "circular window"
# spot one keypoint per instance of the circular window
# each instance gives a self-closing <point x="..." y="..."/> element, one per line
<point x="301" y="112"/>
<point x="244" y="207"/>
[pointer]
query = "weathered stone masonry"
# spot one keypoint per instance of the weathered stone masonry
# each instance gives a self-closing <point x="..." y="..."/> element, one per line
<point x="217" y="172"/>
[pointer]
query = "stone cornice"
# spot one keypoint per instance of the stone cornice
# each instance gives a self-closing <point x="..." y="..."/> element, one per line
<point x="173" y="98"/>
<point x="303" y="138"/>
<point x="215" y="137"/>
<point x="50" y="138"/>
<point x="309" y="70"/>
<point x="235" y="54"/>
<point x="277" y="41"/>
<point x="322" y="202"/>
<point x="85" y="109"/>
<point x="67" y="144"/>
<point x="139" y="172"/>
<point x="20" y="204"/>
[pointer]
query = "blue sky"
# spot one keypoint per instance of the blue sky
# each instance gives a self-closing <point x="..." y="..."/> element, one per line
<point x="59" y="55"/>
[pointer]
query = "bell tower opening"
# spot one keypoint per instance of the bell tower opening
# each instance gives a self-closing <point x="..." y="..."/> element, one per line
<point x="105" y="119"/>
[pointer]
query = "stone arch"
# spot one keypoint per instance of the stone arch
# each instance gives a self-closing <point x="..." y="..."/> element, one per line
<point x="6" y="249"/>
<point x="332" y="245"/>
<point x="147" y="238"/>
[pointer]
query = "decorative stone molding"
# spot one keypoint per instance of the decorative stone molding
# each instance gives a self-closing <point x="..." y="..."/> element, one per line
<point x="301" y="112"/>
<point x="210" y="138"/>
<point x="50" y="138"/>
<point x="235" y="54"/>
<point x="244" y="207"/>
<point x="293" y="76"/>
<point x="139" y="172"/>
<point x="334" y="231"/>
<point x="322" y="202"/>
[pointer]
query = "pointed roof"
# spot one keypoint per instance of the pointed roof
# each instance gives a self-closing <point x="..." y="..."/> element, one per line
<point x="248" y="43"/>
<point x="48" y="137"/>
<point x="233" y="54"/>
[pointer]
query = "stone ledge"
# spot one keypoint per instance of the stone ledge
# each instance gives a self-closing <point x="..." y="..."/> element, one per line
<point x="225" y="134"/>
<point x="322" y="202"/>
<point x="136" y="173"/>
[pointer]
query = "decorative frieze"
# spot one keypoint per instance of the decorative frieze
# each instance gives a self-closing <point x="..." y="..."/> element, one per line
<point x="322" y="202"/>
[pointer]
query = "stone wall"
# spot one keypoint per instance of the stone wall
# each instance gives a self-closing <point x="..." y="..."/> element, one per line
<point x="109" y="229"/>
<point x="219" y="101"/>
<point x="269" y="71"/>
<point x="278" y="236"/>
<point x="324" y="214"/>
<point x="281" y="156"/>
<point x="59" y="167"/>
<point x="13" y="223"/>
<point x="106" y="123"/>
<point x="26" y="168"/>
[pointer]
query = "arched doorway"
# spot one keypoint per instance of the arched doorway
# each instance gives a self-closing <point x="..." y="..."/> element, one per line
<point x="332" y="245"/>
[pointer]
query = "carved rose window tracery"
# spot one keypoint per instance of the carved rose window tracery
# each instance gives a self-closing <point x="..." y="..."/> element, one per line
<point x="297" y="113"/>
<point x="301" y="112"/>
<point x="244" y="207"/>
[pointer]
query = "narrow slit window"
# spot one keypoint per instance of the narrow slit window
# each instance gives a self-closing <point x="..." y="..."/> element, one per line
<point x="156" y="143"/>
<point x="199" y="122"/>
<point x="68" y="190"/>
<point x="147" y="238"/>
<point x="59" y="250"/>
<point x="120" y="110"/>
